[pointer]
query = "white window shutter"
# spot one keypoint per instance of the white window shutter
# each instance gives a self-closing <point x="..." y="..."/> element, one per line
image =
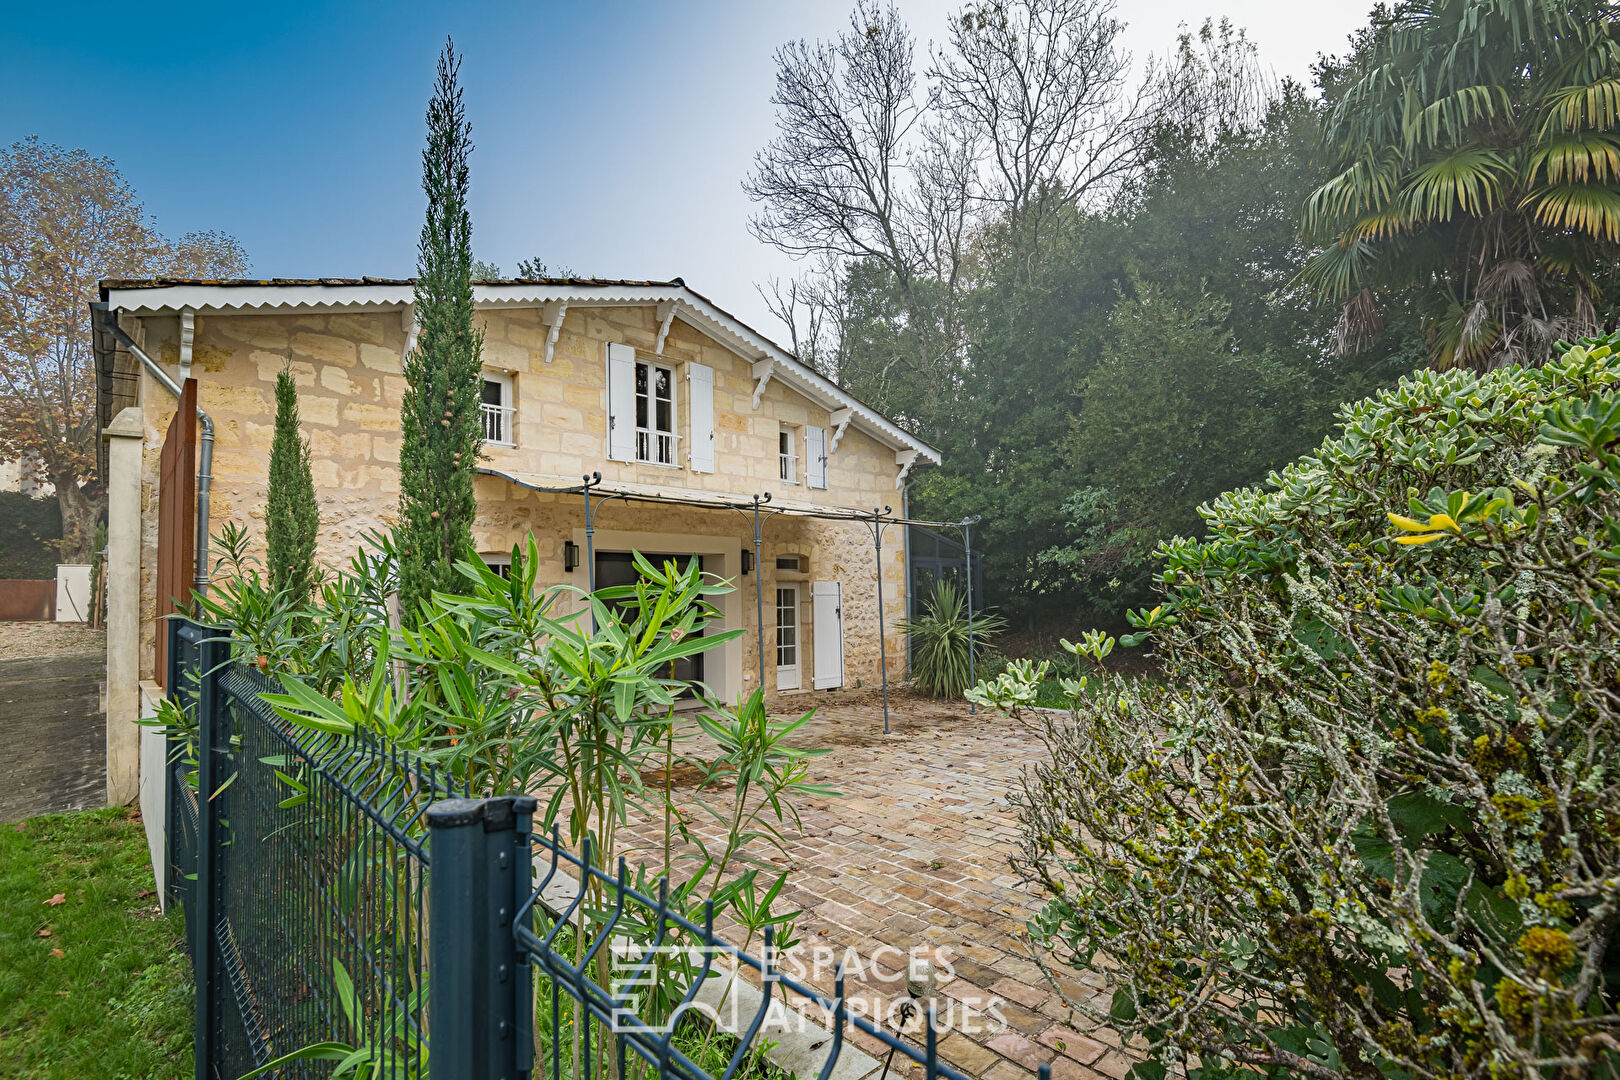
<point x="621" y="412"/>
<point x="815" y="456"/>
<point x="700" y="405"/>
<point x="827" y="629"/>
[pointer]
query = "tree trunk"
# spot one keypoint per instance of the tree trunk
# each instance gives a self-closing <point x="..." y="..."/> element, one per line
<point x="79" y="514"/>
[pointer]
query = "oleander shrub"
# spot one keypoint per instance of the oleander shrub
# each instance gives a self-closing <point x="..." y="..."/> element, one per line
<point x="1367" y="824"/>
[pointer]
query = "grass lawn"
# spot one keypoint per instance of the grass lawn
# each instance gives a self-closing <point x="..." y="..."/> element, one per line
<point x="97" y="984"/>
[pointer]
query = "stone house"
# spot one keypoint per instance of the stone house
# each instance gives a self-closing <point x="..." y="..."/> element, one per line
<point x="684" y="411"/>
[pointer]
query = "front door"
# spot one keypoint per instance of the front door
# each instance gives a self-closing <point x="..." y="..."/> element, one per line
<point x="619" y="568"/>
<point x="787" y="637"/>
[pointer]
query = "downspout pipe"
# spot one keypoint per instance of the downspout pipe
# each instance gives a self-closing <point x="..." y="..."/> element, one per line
<point x="911" y="599"/>
<point x="205" y="454"/>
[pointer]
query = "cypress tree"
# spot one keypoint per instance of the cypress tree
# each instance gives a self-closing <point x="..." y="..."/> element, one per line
<point x="292" y="517"/>
<point x="440" y="415"/>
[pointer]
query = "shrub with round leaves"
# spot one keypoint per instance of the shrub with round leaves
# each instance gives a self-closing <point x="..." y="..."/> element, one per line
<point x="1368" y="823"/>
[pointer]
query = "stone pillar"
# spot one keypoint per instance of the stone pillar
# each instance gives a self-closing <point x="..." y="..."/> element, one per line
<point x="125" y="436"/>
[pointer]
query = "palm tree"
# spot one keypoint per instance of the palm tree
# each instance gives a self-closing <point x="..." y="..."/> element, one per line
<point x="1476" y="168"/>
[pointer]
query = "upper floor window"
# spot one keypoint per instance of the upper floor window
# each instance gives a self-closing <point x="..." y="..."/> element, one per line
<point x="655" y="413"/>
<point x="497" y="409"/>
<point x="787" y="448"/>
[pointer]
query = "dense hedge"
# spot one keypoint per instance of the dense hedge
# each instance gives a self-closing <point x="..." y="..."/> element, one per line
<point x="1368" y="825"/>
<point x="28" y="528"/>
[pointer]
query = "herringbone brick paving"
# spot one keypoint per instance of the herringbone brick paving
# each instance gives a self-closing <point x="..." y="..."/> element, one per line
<point x="914" y="853"/>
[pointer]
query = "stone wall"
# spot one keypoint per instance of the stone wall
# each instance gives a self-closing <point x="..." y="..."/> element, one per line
<point x="348" y="371"/>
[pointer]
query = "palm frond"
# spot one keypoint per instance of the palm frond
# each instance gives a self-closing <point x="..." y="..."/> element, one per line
<point x="1338" y="270"/>
<point x="1365" y="185"/>
<point x="1382" y="224"/>
<point x="1592" y="107"/>
<point x="1577" y="158"/>
<point x="1584" y="208"/>
<point x="1359" y="322"/>
<point x="1467" y="181"/>
<point x="1445" y="121"/>
<point x="1462" y="336"/>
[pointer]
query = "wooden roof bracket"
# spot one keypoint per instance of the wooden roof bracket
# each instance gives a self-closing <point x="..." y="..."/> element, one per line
<point x="905" y="459"/>
<point x="551" y="316"/>
<point x="188" y="338"/>
<point x="408" y="323"/>
<point x="666" y="316"/>
<point x="762" y="369"/>
<point x="840" y="419"/>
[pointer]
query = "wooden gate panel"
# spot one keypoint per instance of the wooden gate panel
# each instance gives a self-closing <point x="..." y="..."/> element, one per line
<point x="177" y="519"/>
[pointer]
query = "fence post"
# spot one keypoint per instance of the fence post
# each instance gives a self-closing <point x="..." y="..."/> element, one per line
<point x="172" y="875"/>
<point x="213" y="741"/>
<point x="474" y="966"/>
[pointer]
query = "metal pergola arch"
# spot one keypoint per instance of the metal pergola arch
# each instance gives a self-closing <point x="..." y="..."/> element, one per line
<point x="761" y="508"/>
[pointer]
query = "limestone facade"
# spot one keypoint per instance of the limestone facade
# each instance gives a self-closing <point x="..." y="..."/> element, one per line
<point x="348" y="369"/>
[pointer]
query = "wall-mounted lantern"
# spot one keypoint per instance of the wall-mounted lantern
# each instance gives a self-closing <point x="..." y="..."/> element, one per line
<point x="748" y="562"/>
<point x="570" y="555"/>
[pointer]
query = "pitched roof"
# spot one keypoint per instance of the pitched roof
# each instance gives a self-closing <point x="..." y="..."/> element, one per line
<point x="155" y="296"/>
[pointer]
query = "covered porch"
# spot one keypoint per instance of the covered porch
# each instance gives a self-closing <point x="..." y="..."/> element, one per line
<point x="821" y="590"/>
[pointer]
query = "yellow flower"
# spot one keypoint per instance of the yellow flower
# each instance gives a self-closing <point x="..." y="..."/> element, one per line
<point x="1438" y="527"/>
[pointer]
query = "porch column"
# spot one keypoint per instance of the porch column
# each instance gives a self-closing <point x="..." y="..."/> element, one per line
<point x="125" y="436"/>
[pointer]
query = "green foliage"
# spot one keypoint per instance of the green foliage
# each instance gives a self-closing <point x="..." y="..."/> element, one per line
<point x="1202" y="248"/>
<point x="110" y="983"/>
<point x="939" y="666"/>
<point x="1367" y="823"/>
<point x="1474" y="177"/>
<point x="29" y="530"/>
<point x="439" y="415"/>
<point x="1175" y="413"/>
<point x="292" y="517"/>
<point x="508" y="694"/>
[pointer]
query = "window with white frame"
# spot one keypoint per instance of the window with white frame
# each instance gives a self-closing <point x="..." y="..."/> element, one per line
<point x="787" y="443"/>
<point x="655" y="413"/>
<point x="497" y="409"/>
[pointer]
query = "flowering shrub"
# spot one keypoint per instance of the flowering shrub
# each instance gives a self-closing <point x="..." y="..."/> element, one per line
<point x="1367" y="823"/>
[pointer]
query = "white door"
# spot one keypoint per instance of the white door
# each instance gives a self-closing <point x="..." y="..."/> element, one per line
<point x="827" y="616"/>
<point x="787" y="637"/>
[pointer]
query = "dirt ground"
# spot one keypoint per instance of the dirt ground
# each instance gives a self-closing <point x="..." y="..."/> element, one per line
<point x="52" y="729"/>
<point x="22" y="639"/>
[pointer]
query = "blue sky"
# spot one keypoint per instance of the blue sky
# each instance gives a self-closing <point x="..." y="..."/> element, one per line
<point x="610" y="138"/>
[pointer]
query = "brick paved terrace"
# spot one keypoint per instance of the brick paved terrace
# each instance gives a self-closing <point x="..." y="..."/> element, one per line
<point x="914" y="854"/>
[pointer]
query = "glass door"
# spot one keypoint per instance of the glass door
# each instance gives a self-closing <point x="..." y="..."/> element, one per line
<point x="787" y="637"/>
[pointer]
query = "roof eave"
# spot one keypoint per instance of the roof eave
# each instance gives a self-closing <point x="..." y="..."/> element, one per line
<point x="164" y="297"/>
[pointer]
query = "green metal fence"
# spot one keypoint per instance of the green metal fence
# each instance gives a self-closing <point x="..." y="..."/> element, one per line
<point x="303" y="876"/>
<point x="315" y="915"/>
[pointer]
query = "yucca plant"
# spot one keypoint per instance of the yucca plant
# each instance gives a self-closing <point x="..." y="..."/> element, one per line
<point x="939" y="666"/>
<point x="1476" y="177"/>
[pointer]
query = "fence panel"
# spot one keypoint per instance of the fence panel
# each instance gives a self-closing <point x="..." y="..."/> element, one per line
<point x="306" y="906"/>
<point x="314" y="916"/>
<point x="544" y="966"/>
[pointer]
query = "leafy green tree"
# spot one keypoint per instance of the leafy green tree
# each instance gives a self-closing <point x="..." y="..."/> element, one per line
<point x="1476" y="177"/>
<point x="1213" y="218"/>
<point x="292" y="517"/>
<point x="1175" y="413"/>
<point x="440" y="412"/>
<point x="539" y="268"/>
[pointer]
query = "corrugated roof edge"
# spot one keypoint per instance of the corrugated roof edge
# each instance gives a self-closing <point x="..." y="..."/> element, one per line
<point x="242" y="283"/>
<point x="108" y="284"/>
